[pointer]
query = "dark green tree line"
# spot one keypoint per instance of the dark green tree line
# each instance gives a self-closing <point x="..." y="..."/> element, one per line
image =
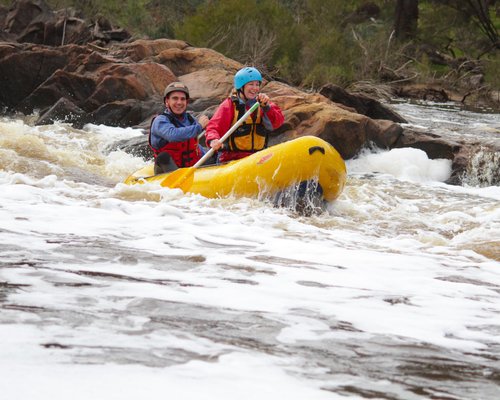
<point x="312" y="42"/>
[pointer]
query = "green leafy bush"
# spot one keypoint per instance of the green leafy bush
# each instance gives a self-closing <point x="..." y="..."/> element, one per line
<point x="313" y="42"/>
<point x="257" y="32"/>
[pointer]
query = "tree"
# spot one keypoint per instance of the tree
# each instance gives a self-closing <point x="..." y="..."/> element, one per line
<point x="406" y="18"/>
<point x="479" y="9"/>
<point x="254" y="32"/>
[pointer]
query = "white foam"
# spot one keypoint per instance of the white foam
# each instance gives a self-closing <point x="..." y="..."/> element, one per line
<point x="395" y="257"/>
<point x="406" y="164"/>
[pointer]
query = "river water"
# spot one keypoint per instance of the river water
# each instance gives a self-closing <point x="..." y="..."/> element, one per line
<point x="116" y="292"/>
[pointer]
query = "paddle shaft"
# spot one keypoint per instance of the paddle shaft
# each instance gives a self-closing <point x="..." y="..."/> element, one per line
<point x="210" y="152"/>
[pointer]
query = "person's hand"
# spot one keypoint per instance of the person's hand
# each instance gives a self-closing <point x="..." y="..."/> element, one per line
<point x="203" y="121"/>
<point x="263" y="99"/>
<point x="216" y="144"/>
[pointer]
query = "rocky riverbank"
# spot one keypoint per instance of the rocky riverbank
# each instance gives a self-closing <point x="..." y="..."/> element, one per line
<point x="62" y="67"/>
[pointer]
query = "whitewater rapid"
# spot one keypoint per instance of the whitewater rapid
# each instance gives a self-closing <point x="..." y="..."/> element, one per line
<point x="115" y="291"/>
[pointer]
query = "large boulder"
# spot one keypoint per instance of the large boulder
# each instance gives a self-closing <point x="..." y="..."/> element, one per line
<point x="362" y="104"/>
<point x="24" y="14"/>
<point x="313" y="114"/>
<point x="90" y="76"/>
<point x="143" y="49"/>
<point x="61" y="84"/>
<point x="191" y="59"/>
<point x="33" y="21"/>
<point x="126" y="113"/>
<point x="35" y="77"/>
<point x="209" y="83"/>
<point x="119" y="81"/>
<point x="24" y="68"/>
<point x="63" y="110"/>
<point x="424" y="92"/>
<point x="433" y="145"/>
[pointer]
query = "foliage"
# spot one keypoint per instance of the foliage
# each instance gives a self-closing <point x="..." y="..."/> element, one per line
<point x="153" y="18"/>
<point x="491" y="68"/>
<point x="447" y="29"/>
<point x="256" y="32"/>
<point x="167" y="14"/>
<point x="327" y="54"/>
<point x="313" y="42"/>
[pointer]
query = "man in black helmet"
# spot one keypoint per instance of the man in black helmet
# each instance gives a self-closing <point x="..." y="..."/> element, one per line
<point x="173" y="135"/>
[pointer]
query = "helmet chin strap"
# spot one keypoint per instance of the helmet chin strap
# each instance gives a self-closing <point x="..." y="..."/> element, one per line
<point x="242" y="94"/>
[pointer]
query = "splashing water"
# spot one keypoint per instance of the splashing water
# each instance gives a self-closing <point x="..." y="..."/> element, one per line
<point x="116" y="291"/>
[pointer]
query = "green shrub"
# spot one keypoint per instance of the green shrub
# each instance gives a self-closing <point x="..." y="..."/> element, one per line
<point x="253" y="32"/>
<point x="491" y="68"/>
<point x="309" y="42"/>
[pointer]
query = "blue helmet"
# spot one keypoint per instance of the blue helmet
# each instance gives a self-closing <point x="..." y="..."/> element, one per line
<point x="245" y="75"/>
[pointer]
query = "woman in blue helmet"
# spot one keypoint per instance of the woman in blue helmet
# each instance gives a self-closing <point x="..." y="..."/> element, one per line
<point x="252" y="135"/>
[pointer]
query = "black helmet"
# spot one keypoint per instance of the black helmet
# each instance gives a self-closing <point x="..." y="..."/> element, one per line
<point x="176" y="87"/>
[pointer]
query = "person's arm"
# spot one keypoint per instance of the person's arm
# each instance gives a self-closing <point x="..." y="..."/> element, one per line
<point x="220" y="122"/>
<point x="272" y="116"/>
<point x="164" y="129"/>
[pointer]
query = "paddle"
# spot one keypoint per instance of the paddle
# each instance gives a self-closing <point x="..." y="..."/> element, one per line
<point x="183" y="177"/>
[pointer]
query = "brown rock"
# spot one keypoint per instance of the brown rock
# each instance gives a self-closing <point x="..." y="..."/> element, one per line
<point x="362" y="104"/>
<point x="459" y="166"/>
<point x="191" y="59"/>
<point x="7" y="48"/>
<point x="209" y="83"/>
<point x="63" y="30"/>
<point x="24" y="13"/>
<point x="128" y="81"/>
<point x="63" y="110"/>
<point x="423" y="92"/>
<point x="433" y="145"/>
<point x="137" y="146"/>
<point x="313" y="114"/>
<point x="32" y="21"/>
<point x="145" y="49"/>
<point x="23" y="70"/>
<point x="3" y="14"/>
<point x="60" y="84"/>
<point x="125" y="113"/>
<point x="387" y="135"/>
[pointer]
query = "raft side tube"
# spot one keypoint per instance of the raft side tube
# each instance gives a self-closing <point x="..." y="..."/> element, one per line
<point x="268" y="171"/>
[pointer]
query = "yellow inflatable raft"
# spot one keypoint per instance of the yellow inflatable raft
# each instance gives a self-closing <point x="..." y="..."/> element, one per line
<point x="267" y="172"/>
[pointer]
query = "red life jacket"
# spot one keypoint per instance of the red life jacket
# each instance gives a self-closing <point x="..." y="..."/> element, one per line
<point x="251" y="135"/>
<point x="184" y="154"/>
